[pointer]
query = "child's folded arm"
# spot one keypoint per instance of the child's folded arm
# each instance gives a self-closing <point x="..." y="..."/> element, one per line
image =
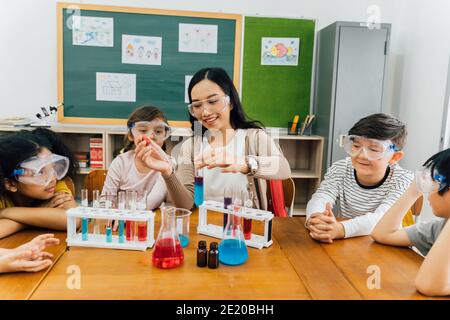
<point x="388" y="230"/>
<point x="8" y="227"/>
<point x="51" y="218"/>
<point x="363" y="225"/>
<point x="433" y="278"/>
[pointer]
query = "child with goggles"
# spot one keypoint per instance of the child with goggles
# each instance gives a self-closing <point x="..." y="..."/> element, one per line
<point x="33" y="166"/>
<point x="366" y="184"/>
<point x="128" y="172"/>
<point x="431" y="238"/>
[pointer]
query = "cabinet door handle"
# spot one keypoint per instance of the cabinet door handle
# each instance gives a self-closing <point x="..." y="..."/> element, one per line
<point x="341" y="140"/>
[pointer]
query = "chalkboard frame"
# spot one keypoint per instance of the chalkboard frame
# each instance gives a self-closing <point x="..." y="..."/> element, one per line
<point x="122" y="9"/>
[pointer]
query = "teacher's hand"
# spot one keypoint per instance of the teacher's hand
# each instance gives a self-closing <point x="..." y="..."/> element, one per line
<point x="220" y="158"/>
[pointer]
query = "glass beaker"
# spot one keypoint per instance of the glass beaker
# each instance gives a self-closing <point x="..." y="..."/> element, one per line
<point x="233" y="249"/>
<point x="168" y="252"/>
<point x="182" y="221"/>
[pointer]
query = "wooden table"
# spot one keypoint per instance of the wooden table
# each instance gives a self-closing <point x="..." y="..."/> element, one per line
<point x="340" y="270"/>
<point x="22" y="285"/>
<point x="294" y="267"/>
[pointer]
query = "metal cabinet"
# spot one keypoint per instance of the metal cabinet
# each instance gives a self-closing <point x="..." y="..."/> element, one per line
<point x="350" y="72"/>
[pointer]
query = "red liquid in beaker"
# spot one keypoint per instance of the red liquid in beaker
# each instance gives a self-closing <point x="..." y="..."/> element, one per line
<point x="168" y="253"/>
<point x="142" y="232"/>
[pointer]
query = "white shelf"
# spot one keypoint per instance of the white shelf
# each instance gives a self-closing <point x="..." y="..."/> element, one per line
<point x="306" y="174"/>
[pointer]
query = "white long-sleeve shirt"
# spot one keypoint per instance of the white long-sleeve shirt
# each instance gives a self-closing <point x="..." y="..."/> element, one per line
<point x="123" y="175"/>
<point x="363" y="205"/>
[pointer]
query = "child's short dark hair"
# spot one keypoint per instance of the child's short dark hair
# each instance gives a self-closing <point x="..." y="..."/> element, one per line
<point x="381" y="126"/>
<point x="440" y="162"/>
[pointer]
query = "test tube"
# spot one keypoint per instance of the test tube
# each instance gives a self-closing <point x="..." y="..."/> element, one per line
<point x="96" y="204"/>
<point x="141" y="225"/>
<point x="108" y="205"/>
<point x="131" y="226"/>
<point x="84" y="221"/>
<point x="246" y="202"/>
<point x="121" y="202"/>
<point x="227" y="201"/>
<point x="198" y="187"/>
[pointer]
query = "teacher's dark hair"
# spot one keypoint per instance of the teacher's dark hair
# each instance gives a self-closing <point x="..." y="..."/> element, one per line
<point x="238" y="118"/>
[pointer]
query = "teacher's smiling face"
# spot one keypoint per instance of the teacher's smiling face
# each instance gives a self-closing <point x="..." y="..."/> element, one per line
<point x="210" y="105"/>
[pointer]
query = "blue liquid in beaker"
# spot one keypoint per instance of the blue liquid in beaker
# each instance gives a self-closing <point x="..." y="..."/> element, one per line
<point x="184" y="240"/>
<point x="233" y="252"/>
<point x="198" y="191"/>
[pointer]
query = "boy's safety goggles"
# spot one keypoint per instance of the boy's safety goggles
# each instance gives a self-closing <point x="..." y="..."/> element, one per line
<point x="41" y="170"/>
<point x="372" y="149"/>
<point x="157" y="129"/>
<point x="428" y="183"/>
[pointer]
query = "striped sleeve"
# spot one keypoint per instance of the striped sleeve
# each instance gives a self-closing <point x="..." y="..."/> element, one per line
<point x="328" y="190"/>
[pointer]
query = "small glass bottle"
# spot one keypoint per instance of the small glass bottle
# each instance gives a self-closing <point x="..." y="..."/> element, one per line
<point x="202" y="257"/>
<point x="213" y="256"/>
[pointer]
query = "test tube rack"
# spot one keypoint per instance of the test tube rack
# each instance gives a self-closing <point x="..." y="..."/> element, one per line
<point x="74" y="239"/>
<point x="256" y="241"/>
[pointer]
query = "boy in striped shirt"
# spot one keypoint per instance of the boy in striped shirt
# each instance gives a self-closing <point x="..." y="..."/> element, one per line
<point x="365" y="185"/>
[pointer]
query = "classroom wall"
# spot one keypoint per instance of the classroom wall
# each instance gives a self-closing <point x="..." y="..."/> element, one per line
<point x="417" y="72"/>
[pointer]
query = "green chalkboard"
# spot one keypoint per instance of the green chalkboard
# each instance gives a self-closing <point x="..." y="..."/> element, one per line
<point x="160" y="85"/>
<point x="273" y="94"/>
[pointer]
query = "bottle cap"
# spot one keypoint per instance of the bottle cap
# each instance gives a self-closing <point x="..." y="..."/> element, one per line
<point x="213" y="246"/>
<point x="202" y="244"/>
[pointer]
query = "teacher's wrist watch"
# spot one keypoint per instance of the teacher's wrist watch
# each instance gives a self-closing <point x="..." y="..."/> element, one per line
<point x="252" y="164"/>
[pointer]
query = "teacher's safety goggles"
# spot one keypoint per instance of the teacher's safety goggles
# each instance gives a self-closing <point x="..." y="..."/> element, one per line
<point x="156" y="129"/>
<point x="214" y="105"/>
<point x="373" y="149"/>
<point x="41" y="170"/>
<point x="428" y="183"/>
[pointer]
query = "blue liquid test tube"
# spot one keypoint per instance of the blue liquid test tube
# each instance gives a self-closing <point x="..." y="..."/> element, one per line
<point x="121" y="231"/>
<point x="108" y="234"/>
<point x="84" y="229"/>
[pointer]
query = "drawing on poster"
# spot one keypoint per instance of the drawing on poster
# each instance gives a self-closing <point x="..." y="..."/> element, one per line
<point x="141" y="49"/>
<point x="92" y="31"/>
<point x="199" y="38"/>
<point x="115" y="87"/>
<point x="280" y="51"/>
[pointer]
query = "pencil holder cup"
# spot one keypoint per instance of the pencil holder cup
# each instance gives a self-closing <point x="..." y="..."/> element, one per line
<point x="307" y="131"/>
<point x="293" y="129"/>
